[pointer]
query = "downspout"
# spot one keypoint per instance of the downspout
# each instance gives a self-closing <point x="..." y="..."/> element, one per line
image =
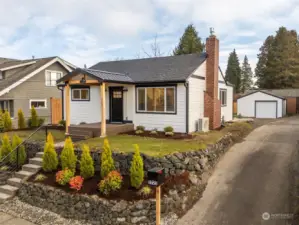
<point x="61" y="88"/>
<point x="187" y="106"/>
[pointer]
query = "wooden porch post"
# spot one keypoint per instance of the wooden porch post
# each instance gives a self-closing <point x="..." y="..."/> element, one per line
<point x="67" y="107"/>
<point x="103" y="110"/>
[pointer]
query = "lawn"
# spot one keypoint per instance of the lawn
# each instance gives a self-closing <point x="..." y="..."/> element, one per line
<point x="59" y="135"/>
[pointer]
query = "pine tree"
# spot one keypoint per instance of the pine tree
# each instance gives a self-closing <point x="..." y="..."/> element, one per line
<point x="34" y="117"/>
<point x="7" y="121"/>
<point x="50" y="160"/>
<point x="136" y="170"/>
<point x="1" y="121"/>
<point x="107" y="162"/>
<point x="16" y="141"/>
<point x="246" y="76"/>
<point x="233" y="71"/>
<point x="21" y="119"/>
<point x="6" y="146"/>
<point x="68" y="157"/>
<point x="86" y="163"/>
<point x="189" y="43"/>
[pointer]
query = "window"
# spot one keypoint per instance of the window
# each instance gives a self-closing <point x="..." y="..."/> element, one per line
<point x="223" y="97"/>
<point x="52" y="77"/>
<point x="156" y="99"/>
<point x="38" y="103"/>
<point x="80" y="94"/>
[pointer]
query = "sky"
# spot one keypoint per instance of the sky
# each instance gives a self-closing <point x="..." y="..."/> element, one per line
<point x="85" y="32"/>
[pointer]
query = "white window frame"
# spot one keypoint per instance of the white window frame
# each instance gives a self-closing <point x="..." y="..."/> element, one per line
<point x="165" y="103"/>
<point x="52" y="71"/>
<point x="38" y="100"/>
<point x="220" y="97"/>
<point x="80" y="99"/>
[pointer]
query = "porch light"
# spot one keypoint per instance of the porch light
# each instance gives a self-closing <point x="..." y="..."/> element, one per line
<point x="83" y="80"/>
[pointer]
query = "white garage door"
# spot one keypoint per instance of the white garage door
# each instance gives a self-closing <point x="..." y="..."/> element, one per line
<point x="265" y="109"/>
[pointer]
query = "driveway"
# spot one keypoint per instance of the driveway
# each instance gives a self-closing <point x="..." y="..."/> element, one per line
<point x="252" y="179"/>
<point x="6" y="219"/>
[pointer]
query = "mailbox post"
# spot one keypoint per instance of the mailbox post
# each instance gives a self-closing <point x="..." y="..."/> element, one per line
<point x="156" y="177"/>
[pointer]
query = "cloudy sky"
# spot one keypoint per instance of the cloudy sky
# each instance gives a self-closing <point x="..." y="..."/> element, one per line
<point x="89" y="31"/>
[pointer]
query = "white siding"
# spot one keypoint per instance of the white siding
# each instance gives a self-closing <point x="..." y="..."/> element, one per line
<point x="201" y="70"/>
<point x="246" y="105"/>
<point x="159" y="121"/>
<point x="220" y="77"/>
<point x="226" y="111"/>
<point x="196" y="101"/>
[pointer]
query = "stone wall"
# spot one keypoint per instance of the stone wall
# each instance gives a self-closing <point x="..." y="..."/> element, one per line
<point x="4" y="176"/>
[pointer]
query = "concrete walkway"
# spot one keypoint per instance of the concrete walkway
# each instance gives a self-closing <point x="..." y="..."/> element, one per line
<point x="252" y="179"/>
<point x="6" y="219"/>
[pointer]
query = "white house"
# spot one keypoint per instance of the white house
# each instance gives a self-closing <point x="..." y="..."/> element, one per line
<point x="174" y="91"/>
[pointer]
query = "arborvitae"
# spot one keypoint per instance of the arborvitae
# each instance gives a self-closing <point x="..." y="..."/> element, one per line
<point x="68" y="157"/>
<point x="50" y="160"/>
<point x="7" y="121"/>
<point x="34" y="117"/>
<point x="86" y="163"/>
<point x="21" y="119"/>
<point x="6" y="146"/>
<point x="107" y="162"/>
<point x="16" y="141"/>
<point x="136" y="170"/>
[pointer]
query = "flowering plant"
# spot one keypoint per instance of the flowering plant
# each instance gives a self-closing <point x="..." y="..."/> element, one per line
<point x="64" y="176"/>
<point x="76" y="183"/>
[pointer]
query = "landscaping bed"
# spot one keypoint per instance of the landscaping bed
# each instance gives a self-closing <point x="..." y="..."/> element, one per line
<point x="160" y="134"/>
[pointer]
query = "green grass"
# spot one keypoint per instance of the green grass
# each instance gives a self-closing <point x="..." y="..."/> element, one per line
<point x="149" y="146"/>
<point x="59" y="135"/>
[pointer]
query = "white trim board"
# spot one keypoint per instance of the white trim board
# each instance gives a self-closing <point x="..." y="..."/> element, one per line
<point x="6" y="90"/>
<point x="17" y="66"/>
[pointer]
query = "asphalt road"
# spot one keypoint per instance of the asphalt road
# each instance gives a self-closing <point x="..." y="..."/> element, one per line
<point x="253" y="178"/>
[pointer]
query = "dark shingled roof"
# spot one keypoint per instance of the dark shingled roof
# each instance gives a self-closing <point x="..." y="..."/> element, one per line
<point x="108" y="76"/>
<point x="159" y="69"/>
<point x="4" y="60"/>
<point x="14" y="63"/>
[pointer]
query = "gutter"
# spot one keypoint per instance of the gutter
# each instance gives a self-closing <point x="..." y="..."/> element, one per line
<point x="61" y="88"/>
<point x="187" y="106"/>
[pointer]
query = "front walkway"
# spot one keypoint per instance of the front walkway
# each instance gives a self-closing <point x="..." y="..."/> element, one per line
<point x="6" y="219"/>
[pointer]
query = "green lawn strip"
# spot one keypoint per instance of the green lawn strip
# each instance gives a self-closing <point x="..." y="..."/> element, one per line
<point x="149" y="146"/>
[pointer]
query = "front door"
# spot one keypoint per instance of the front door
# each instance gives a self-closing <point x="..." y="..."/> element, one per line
<point x="116" y="104"/>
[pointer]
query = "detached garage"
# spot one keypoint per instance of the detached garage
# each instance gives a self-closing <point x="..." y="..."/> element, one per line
<point x="260" y="104"/>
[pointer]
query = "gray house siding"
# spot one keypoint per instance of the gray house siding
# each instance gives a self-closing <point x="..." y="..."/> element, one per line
<point x="35" y="88"/>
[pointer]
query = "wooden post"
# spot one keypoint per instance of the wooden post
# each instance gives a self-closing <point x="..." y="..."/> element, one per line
<point x="67" y="107"/>
<point x="103" y="110"/>
<point x="158" y="205"/>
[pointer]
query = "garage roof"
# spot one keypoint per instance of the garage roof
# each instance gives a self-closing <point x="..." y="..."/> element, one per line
<point x="262" y="91"/>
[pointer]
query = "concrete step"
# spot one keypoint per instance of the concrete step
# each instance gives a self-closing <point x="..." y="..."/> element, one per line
<point x="36" y="161"/>
<point x="8" y="189"/>
<point x="76" y="138"/>
<point x="39" y="155"/>
<point x="17" y="182"/>
<point x="80" y="131"/>
<point x="24" y="175"/>
<point x="4" y="197"/>
<point x="31" y="168"/>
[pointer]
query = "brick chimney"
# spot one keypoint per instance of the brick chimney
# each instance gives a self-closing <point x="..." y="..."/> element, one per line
<point x="212" y="108"/>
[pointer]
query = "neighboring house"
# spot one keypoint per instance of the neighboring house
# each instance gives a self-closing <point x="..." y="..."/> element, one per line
<point x="174" y="91"/>
<point x="262" y="104"/>
<point x="27" y="83"/>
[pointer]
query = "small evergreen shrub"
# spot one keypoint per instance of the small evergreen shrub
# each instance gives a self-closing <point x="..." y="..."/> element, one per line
<point x="86" y="163"/>
<point x="139" y="132"/>
<point x="112" y="182"/>
<point x="21" y="119"/>
<point x="145" y="191"/>
<point x="136" y="169"/>
<point x="41" y="121"/>
<point x="107" y="162"/>
<point x="34" y="118"/>
<point x="50" y="160"/>
<point x="169" y="133"/>
<point x="76" y="183"/>
<point x="16" y="141"/>
<point x="7" y="121"/>
<point x="140" y="128"/>
<point x="6" y="146"/>
<point x="64" y="176"/>
<point x="62" y="122"/>
<point x="168" y="129"/>
<point x="68" y="157"/>
<point x="1" y="121"/>
<point x="40" y="177"/>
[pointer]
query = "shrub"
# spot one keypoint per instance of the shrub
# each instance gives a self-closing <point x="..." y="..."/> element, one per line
<point x="6" y="147"/>
<point x="140" y="128"/>
<point x="62" y="122"/>
<point x="239" y="116"/>
<point x="76" y="183"/>
<point x="136" y="169"/>
<point x="1" y="121"/>
<point x="107" y="162"/>
<point x="7" y="121"/>
<point x="112" y="182"/>
<point x="41" y="121"/>
<point x="86" y="163"/>
<point x="50" y="160"/>
<point x="145" y="191"/>
<point x="64" y="176"/>
<point x="34" y="118"/>
<point x="40" y="177"/>
<point x="21" y="119"/>
<point x="139" y="132"/>
<point x="68" y="157"/>
<point x="154" y="131"/>
<point x="16" y="141"/>
<point x="168" y="129"/>
<point x="169" y="133"/>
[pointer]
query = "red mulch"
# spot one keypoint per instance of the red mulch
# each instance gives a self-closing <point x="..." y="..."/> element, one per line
<point x="160" y="134"/>
<point x="127" y="192"/>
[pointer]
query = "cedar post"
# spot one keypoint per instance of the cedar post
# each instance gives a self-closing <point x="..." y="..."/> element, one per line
<point x="158" y="205"/>
<point x="103" y="110"/>
<point x="67" y="107"/>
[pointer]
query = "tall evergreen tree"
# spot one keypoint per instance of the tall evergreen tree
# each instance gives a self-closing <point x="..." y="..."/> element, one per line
<point x="189" y="43"/>
<point x="233" y="71"/>
<point x="246" y="76"/>
<point x="278" y="65"/>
